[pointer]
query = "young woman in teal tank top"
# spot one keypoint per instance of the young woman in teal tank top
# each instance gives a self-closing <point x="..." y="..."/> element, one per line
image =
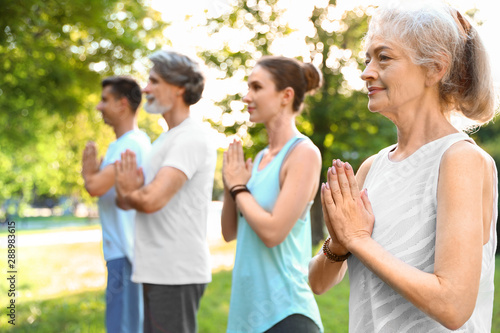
<point x="266" y="206"/>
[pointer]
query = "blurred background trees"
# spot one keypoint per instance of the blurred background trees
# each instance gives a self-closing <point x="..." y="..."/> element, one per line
<point x="54" y="54"/>
<point x="336" y="117"/>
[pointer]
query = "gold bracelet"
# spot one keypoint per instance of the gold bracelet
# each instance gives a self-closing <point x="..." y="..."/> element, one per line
<point x="332" y="256"/>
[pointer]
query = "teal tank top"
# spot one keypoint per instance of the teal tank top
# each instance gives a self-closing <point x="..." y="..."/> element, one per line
<point x="270" y="284"/>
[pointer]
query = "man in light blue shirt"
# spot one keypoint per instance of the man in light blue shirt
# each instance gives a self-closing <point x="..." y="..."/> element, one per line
<point x="121" y="97"/>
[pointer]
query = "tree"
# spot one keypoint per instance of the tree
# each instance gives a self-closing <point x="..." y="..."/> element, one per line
<point x="256" y="25"/>
<point x="336" y="119"/>
<point x="54" y="55"/>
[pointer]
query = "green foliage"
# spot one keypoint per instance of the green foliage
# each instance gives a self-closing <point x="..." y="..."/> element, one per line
<point x="218" y="190"/>
<point x="487" y="138"/>
<point x="261" y="24"/>
<point x="336" y="118"/>
<point x="54" y="54"/>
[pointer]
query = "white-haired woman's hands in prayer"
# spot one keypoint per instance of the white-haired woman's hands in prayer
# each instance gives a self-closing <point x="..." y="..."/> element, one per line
<point x="349" y="211"/>
<point x="334" y="244"/>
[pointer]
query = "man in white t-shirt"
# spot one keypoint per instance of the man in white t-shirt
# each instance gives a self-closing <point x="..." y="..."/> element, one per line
<point x="120" y="99"/>
<point x="172" y="199"/>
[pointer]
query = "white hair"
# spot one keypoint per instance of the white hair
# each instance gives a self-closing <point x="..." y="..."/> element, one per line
<point x="180" y="70"/>
<point x="436" y="36"/>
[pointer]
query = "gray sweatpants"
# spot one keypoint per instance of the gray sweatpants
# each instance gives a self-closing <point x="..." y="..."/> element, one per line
<point x="171" y="308"/>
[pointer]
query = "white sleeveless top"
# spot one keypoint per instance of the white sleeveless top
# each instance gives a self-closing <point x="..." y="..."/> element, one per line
<point x="404" y="200"/>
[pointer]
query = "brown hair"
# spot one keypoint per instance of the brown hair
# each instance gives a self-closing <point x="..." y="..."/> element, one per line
<point x="287" y="72"/>
<point x="123" y="86"/>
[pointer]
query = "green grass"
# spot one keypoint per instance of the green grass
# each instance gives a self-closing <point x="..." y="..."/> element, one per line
<point x="214" y="306"/>
<point x="61" y="289"/>
<point x="31" y="225"/>
<point x="78" y="313"/>
<point x="84" y="312"/>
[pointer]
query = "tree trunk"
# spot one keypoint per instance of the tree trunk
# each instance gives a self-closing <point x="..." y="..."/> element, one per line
<point x="317" y="223"/>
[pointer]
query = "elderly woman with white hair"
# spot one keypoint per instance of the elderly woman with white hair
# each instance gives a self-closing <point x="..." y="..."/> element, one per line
<point x="420" y="237"/>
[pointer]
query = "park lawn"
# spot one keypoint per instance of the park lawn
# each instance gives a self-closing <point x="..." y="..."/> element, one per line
<point x="61" y="289"/>
<point x="50" y="224"/>
<point x="57" y="285"/>
<point x="46" y="231"/>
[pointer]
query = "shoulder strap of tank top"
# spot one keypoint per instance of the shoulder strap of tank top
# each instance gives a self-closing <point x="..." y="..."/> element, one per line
<point x="378" y="158"/>
<point x="298" y="139"/>
<point x="257" y="159"/>
<point x="439" y="150"/>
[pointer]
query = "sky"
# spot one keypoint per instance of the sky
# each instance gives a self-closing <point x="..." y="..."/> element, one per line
<point x="187" y="34"/>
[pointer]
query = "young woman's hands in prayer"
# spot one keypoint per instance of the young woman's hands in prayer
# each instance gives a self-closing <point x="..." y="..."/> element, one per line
<point x="235" y="170"/>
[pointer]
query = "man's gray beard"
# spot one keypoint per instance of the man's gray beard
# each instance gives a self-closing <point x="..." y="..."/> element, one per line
<point x="155" y="108"/>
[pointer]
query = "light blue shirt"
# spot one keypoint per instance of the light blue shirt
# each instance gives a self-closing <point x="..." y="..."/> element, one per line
<point x="270" y="284"/>
<point x="118" y="224"/>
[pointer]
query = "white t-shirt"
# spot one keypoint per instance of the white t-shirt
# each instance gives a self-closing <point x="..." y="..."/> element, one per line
<point x="170" y="244"/>
<point x="117" y="224"/>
